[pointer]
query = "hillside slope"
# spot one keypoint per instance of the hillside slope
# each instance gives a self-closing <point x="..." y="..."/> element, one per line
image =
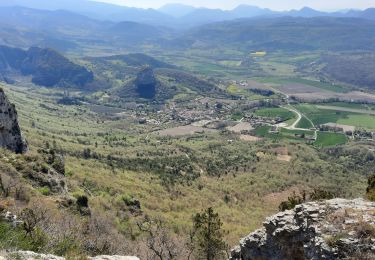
<point x="46" y="66"/>
<point x="287" y="33"/>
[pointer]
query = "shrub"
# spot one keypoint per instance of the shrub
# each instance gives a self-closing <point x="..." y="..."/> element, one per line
<point x="365" y="230"/>
<point x="320" y="194"/>
<point x="82" y="201"/>
<point x="44" y="191"/>
<point x="292" y="201"/>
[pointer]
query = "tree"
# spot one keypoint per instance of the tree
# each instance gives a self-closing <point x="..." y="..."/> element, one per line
<point x="371" y="188"/>
<point x="159" y="241"/>
<point x="208" y="235"/>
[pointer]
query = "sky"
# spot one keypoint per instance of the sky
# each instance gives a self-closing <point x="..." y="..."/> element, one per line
<point x="326" y="5"/>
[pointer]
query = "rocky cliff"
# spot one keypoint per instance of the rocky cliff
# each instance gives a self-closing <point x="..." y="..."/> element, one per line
<point x="10" y="132"/>
<point x="333" y="229"/>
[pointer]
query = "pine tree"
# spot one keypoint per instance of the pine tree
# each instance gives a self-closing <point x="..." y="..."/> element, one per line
<point x="209" y="235"/>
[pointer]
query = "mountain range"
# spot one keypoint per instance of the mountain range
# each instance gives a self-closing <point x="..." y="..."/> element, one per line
<point x="66" y="30"/>
<point x="173" y="15"/>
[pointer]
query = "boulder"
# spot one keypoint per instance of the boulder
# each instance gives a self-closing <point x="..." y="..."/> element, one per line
<point x="333" y="229"/>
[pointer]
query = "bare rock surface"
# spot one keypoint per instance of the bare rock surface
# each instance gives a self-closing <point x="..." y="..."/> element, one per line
<point x="10" y="132"/>
<point x="333" y="229"/>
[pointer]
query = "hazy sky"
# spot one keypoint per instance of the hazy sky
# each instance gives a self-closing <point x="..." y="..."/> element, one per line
<point x="273" y="4"/>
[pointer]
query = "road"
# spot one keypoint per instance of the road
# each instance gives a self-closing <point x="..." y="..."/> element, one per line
<point x="292" y="109"/>
<point x="299" y="117"/>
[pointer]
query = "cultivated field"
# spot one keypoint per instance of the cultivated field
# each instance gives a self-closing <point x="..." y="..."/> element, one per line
<point x="243" y="126"/>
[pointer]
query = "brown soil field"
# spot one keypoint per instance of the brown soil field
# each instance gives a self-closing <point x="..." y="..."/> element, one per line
<point x="243" y="126"/>
<point x="250" y="138"/>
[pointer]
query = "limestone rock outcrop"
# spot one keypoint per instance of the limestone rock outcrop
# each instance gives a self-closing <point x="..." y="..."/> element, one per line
<point x="333" y="229"/>
<point x="10" y="132"/>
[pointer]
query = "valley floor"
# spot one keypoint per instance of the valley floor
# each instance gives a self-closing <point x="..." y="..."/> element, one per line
<point x="110" y="157"/>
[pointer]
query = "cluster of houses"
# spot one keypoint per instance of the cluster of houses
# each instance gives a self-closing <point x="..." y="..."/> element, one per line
<point x="256" y="121"/>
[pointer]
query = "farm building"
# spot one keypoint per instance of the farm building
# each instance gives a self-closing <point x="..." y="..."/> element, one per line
<point x="333" y="127"/>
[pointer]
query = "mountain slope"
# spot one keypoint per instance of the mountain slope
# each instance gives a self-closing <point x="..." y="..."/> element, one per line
<point x="287" y="33"/>
<point x="176" y="10"/>
<point x="135" y="32"/>
<point x="368" y="14"/>
<point x="95" y="10"/>
<point x="47" y="67"/>
<point x="137" y="60"/>
<point x="59" y="20"/>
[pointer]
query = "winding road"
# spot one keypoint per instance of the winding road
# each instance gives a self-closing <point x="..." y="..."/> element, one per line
<point x="299" y="117"/>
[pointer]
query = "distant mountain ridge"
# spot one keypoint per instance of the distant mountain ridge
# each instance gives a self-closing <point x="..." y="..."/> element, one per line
<point x="173" y="15"/>
<point x="285" y="33"/>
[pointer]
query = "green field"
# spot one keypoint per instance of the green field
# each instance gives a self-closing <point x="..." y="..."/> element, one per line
<point x="358" y="120"/>
<point x="304" y="123"/>
<point x="321" y="116"/>
<point x="275" y="112"/>
<point x="234" y="90"/>
<point x="350" y="105"/>
<point x="330" y="139"/>
<point x="317" y="84"/>
<point x="283" y="134"/>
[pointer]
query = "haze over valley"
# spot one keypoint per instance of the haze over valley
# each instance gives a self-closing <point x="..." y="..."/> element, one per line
<point x="172" y="132"/>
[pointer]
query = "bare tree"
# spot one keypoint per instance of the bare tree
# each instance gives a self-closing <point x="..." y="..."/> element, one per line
<point x="159" y="241"/>
<point x="6" y="185"/>
<point x="32" y="217"/>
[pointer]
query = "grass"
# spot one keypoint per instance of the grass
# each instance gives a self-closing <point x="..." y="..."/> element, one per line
<point x="350" y="105"/>
<point x="323" y="116"/>
<point x="358" y="120"/>
<point x="304" y="123"/>
<point x="276" y="68"/>
<point x="283" y="134"/>
<point x="14" y="238"/>
<point x="330" y="139"/>
<point x="75" y="128"/>
<point x="317" y="84"/>
<point x="275" y="112"/>
<point x="234" y="90"/>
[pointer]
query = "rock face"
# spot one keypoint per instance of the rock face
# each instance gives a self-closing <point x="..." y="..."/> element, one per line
<point x="10" y="132"/>
<point x="333" y="229"/>
<point x="28" y="255"/>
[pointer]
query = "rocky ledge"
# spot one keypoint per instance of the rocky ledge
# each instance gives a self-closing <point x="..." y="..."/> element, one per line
<point x="10" y="132"/>
<point x="333" y="229"/>
<point x="28" y="255"/>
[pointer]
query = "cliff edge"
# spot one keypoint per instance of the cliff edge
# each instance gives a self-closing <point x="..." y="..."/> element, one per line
<point x="10" y="132"/>
<point x="333" y="229"/>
